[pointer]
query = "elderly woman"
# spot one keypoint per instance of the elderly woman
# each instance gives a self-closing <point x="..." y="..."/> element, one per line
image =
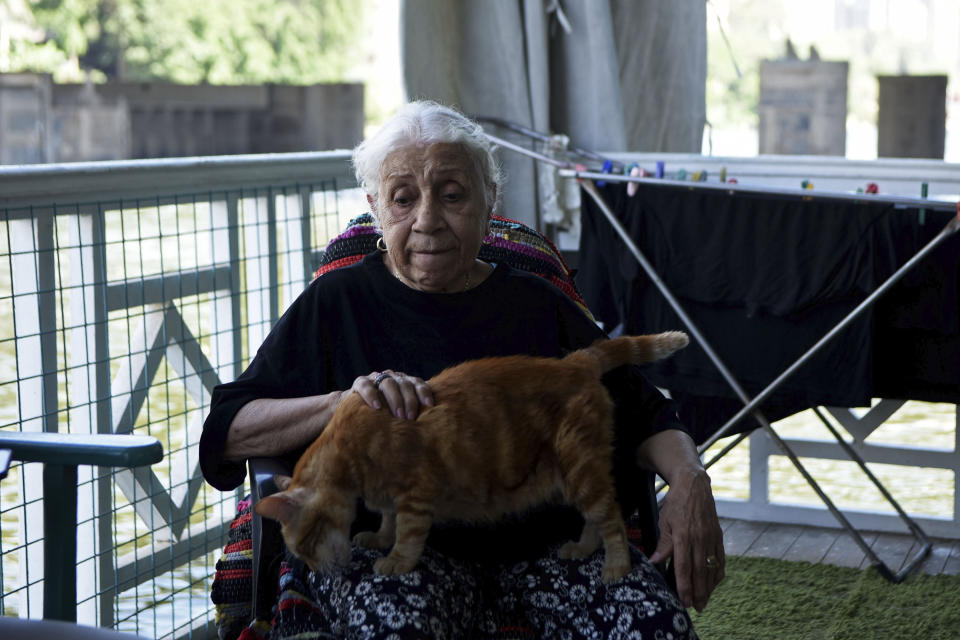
<point x="380" y="328"/>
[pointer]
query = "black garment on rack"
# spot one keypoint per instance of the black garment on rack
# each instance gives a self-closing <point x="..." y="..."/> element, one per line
<point x="764" y="277"/>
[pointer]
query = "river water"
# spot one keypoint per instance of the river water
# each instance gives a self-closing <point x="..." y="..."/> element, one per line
<point x="924" y="491"/>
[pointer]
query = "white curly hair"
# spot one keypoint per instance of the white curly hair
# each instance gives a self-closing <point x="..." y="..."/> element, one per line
<point x="424" y="122"/>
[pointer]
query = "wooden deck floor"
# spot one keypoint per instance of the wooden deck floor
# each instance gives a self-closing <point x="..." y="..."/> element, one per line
<point x="834" y="546"/>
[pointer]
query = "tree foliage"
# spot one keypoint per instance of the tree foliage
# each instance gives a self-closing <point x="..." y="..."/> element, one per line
<point x="185" y="41"/>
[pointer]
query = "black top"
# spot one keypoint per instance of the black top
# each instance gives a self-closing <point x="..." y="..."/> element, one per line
<point x="360" y="318"/>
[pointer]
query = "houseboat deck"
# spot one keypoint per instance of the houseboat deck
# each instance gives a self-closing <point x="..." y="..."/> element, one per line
<point x="820" y="545"/>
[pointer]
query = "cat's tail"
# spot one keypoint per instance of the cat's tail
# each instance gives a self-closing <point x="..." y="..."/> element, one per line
<point x="604" y="355"/>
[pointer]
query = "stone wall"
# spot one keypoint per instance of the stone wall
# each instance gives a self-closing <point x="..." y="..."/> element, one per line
<point x="45" y="122"/>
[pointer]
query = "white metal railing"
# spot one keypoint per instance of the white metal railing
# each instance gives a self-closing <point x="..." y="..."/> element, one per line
<point x="127" y="291"/>
<point x="898" y="463"/>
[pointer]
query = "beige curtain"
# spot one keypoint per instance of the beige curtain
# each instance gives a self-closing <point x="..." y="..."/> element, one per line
<point x="613" y="75"/>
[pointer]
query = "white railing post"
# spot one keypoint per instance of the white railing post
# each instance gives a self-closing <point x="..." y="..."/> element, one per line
<point x="760" y="450"/>
<point x="956" y="469"/>
<point x="35" y="311"/>
<point x="256" y="253"/>
<point x="294" y="265"/>
<point x="273" y="258"/>
<point x="223" y="355"/>
<point x="306" y="233"/>
<point x="89" y="385"/>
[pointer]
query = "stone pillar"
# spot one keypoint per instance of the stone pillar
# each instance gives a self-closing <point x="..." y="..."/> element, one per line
<point x="88" y="126"/>
<point x="332" y="116"/>
<point x="25" y="118"/>
<point x="803" y="107"/>
<point x="912" y="116"/>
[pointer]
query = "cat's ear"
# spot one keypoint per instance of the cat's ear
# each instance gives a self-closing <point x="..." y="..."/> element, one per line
<point x="282" y="482"/>
<point x="282" y="507"/>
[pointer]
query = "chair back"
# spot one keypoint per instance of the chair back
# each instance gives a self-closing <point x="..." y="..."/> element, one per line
<point x="509" y="241"/>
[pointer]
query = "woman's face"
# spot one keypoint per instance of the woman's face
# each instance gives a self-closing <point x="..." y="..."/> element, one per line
<point x="434" y="215"/>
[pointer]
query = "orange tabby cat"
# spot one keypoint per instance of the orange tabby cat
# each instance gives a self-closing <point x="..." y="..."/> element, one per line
<point x="505" y="434"/>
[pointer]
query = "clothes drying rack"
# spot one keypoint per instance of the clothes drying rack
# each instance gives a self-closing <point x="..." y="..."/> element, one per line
<point x="586" y="177"/>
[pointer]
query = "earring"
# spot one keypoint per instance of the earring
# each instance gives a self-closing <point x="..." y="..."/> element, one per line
<point x="380" y="245"/>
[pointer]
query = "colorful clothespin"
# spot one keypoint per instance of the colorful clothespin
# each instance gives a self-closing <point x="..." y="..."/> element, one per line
<point x="807" y="184"/>
<point x="723" y="174"/>
<point x="580" y="168"/>
<point x="681" y="174"/>
<point x="660" y="168"/>
<point x="696" y="176"/>
<point x="607" y="168"/>
<point x="922" y="214"/>
<point x="632" y="186"/>
<point x="872" y="187"/>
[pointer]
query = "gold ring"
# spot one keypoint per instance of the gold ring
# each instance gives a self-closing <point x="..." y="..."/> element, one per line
<point x="712" y="562"/>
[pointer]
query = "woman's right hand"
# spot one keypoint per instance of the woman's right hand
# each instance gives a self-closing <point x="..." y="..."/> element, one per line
<point x="404" y="395"/>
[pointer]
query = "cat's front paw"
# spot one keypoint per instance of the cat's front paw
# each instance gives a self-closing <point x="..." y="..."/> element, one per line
<point x="372" y="540"/>
<point x="577" y="550"/>
<point x="393" y="564"/>
<point x="613" y="571"/>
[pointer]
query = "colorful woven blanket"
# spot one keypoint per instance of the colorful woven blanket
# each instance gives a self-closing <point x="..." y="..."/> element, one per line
<point x="508" y="241"/>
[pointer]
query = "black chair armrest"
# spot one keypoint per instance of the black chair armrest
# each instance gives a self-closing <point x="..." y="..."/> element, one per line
<point x="266" y="541"/>
<point x="61" y="454"/>
<point x="6" y="456"/>
<point x="19" y="629"/>
<point x="74" y="449"/>
<point x="262" y="472"/>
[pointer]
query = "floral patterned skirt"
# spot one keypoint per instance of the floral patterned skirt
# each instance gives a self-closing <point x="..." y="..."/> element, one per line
<point x="448" y="598"/>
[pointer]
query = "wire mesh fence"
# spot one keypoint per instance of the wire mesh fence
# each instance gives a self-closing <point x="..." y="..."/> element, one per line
<point x="127" y="292"/>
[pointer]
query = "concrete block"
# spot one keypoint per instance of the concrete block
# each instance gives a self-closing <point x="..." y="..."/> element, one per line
<point x="803" y="107"/>
<point x="912" y="116"/>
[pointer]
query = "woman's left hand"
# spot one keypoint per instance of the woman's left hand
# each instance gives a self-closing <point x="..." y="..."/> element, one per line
<point x="404" y="395"/>
<point x="690" y="532"/>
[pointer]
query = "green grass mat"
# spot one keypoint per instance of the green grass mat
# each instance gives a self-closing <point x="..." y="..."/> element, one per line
<point x="764" y="598"/>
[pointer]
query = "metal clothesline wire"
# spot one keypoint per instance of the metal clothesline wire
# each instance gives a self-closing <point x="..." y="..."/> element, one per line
<point x="807" y="194"/>
<point x="546" y="139"/>
<point x="500" y="142"/>
<point x="569" y="169"/>
<point x="586" y="177"/>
